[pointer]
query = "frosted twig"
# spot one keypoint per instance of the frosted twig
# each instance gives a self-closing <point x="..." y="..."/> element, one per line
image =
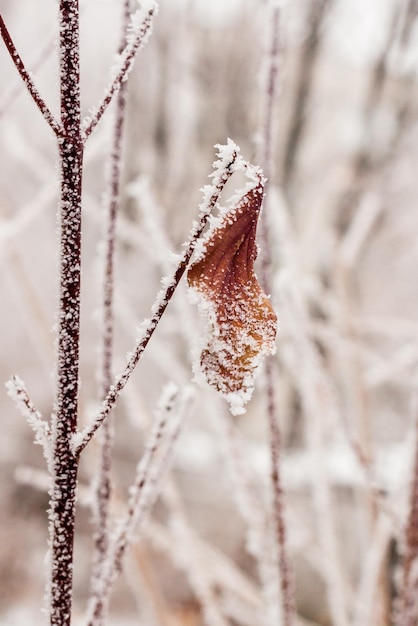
<point x="17" y="391"/>
<point x="228" y="161"/>
<point x="30" y="85"/>
<point x="143" y="493"/>
<point x="285" y="574"/>
<point x="10" y="96"/>
<point x="64" y="423"/>
<point x="138" y="35"/>
<point x="103" y="490"/>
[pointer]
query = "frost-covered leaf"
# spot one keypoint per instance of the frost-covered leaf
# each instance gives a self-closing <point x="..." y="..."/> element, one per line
<point x="241" y="322"/>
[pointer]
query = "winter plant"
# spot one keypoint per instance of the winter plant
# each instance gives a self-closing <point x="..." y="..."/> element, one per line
<point x="313" y="218"/>
<point x="219" y="259"/>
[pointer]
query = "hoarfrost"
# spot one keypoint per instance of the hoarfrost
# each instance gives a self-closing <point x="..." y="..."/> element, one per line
<point x="241" y="324"/>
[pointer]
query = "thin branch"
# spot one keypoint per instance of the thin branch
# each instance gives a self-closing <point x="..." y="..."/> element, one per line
<point x="285" y="572"/>
<point x="224" y="170"/>
<point x="104" y="487"/>
<point x="137" y="37"/>
<point x="143" y="493"/>
<point x="30" y="85"/>
<point x="10" y="96"/>
<point x="17" y="391"/>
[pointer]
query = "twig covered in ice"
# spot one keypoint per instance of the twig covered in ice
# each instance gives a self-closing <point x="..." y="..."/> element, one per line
<point x="17" y="391"/>
<point x="25" y="76"/>
<point x="285" y="576"/>
<point x="10" y="96"/>
<point x="143" y="493"/>
<point x="228" y="161"/>
<point x="112" y="203"/>
<point x="139" y="32"/>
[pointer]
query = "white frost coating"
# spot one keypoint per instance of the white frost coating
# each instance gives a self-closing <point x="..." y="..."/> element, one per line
<point x="16" y="390"/>
<point x="138" y="34"/>
<point x="143" y="493"/>
<point x="236" y="399"/>
<point x="227" y="347"/>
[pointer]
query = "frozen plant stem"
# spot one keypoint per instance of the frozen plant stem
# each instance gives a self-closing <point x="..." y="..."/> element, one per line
<point x="221" y="177"/>
<point x="285" y="574"/>
<point x="103" y="490"/>
<point x="25" y="76"/>
<point x="143" y="494"/>
<point x="64" y="469"/>
<point x="135" y="42"/>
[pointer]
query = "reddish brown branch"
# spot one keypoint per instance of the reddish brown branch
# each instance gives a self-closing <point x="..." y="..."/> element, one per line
<point x="128" y="56"/>
<point x="64" y="470"/>
<point x="25" y="76"/>
<point x="285" y="573"/>
<point x="104" y="486"/>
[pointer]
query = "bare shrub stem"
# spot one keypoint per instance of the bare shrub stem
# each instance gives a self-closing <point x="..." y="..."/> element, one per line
<point x="142" y="496"/>
<point x="25" y="76"/>
<point x="81" y="439"/>
<point x="104" y="487"/>
<point x="135" y="41"/>
<point x="285" y="574"/>
<point x="64" y="424"/>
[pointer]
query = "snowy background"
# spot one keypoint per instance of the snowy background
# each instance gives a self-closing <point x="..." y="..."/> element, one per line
<point x="344" y="229"/>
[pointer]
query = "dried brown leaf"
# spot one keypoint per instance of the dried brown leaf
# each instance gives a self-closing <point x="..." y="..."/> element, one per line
<point x="241" y="320"/>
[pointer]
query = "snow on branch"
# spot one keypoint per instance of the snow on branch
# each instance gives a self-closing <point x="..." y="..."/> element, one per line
<point x="229" y="160"/>
<point x="17" y="391"/>
<point x="139" y="31"/>
<point x="143" y="493"/>
<point x="25" y="76"/>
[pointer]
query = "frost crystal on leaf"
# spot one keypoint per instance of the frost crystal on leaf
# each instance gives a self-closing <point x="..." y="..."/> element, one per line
<point x="241" y="322"/>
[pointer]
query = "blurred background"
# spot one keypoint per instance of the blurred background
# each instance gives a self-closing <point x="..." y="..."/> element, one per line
<point x="343" y="229"/>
